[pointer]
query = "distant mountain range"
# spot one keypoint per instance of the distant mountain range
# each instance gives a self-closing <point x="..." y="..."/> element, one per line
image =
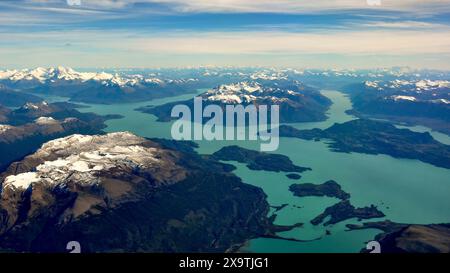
<point x="403" y="95"/>
<point x="415" y="102"/>
<point x="32" y="77"/>
<point x="132" y="85"/>
<point x="93" y="87"/>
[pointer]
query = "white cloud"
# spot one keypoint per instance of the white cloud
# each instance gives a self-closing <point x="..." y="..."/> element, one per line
<point x="374" y="38"/>
<point x="405" y="25"/>
<point x="387" y="42"/>
<point x="282" y="6"/>
<point x="374" y="42"/>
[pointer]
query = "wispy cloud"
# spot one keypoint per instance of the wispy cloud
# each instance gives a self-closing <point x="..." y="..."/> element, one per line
<point x="252" y="6"/>
<point x="301" y="6"/>
<point x="127" y="32"/>
<point x="387" y="42"/>
<point x="414" y="25"/>
<point x="378" y="42"/>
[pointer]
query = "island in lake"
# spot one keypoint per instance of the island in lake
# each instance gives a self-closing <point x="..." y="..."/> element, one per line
<point x="338" y="212"/>
<point x="344" y="210"/>
<point x="329" y="188"/>
<point x="256" y="160"/>
<point x="376" y="137"/>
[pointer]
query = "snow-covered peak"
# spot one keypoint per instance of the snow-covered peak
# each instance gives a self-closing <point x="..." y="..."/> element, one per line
<point x="4" y="128"/>
<point x="153" y="80"/>
<point x="7" y="74"/>
<point x="429" y="84"/>
<point x="418" y="85"/>
<point x="240" y="87"/>
<point x="69" y="120"/>
<point x="84" y="159"/>
<point x="35" y="106"/>
<point x="372" y="84"/>
<point x="21" y="181"/>
<point x="102" y="76"/>
<point x="30" y="106"/>
<point x="235" y="93"/>
<point x="271" y="76"/>
<point x="246" y="92"/>
<point x="45" y="121"/>
<point x="399" y="97"/>
<point x="39" y="73"/>
<point x="68" y="74"/>
<point x="444" y="101"/>
<point x="117" y="80"/>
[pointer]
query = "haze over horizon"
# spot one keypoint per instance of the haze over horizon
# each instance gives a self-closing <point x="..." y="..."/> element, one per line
<point x="174" y="33"/>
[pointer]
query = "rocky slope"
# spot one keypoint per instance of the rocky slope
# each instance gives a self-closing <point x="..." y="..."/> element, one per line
<point x="4" y="113"/>
<point x="410" y="238"/>
<point x="119" y="192"/>
<point x="12" y="98"/>
<point x="18" y="141"/>
<point x="57" y="110"/>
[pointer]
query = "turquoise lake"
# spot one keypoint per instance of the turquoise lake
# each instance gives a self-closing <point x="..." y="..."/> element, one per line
<point x="407" y="191"/>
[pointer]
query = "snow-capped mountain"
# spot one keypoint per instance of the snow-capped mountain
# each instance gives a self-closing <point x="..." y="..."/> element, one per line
<point x="421" y="101"/>
<point x="65" y="74"/>
<point x="4" y="128"/>
<point x="420" y="90"/>
<point x="51" y="75"/>
<point x="89" y="187"/>
<point x="297" y="102"/>
<point x="418" y="85"/>
<point x="85" y="163"/>
<point x="268" y="75"/>
<point x="91" y="87"/>
<point x="247" y="92"/>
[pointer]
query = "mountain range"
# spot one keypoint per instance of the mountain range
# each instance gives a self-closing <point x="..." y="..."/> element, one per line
<point x="414" y="102"/>
<point x="93" y="87"/>
<point x="297" y="102"/>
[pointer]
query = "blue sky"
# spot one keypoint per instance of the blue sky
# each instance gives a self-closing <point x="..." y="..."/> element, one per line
<point x="176" y="33"/>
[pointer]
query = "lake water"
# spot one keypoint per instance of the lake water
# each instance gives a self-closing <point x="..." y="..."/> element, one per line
<point x="407" y="191"/>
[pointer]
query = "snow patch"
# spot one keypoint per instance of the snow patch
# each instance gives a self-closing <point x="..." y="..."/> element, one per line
<point x="408" y="98"/>
<point x="21" y="181"/>
<point x="4" y="128"/>
<point x="45" y="121"/>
